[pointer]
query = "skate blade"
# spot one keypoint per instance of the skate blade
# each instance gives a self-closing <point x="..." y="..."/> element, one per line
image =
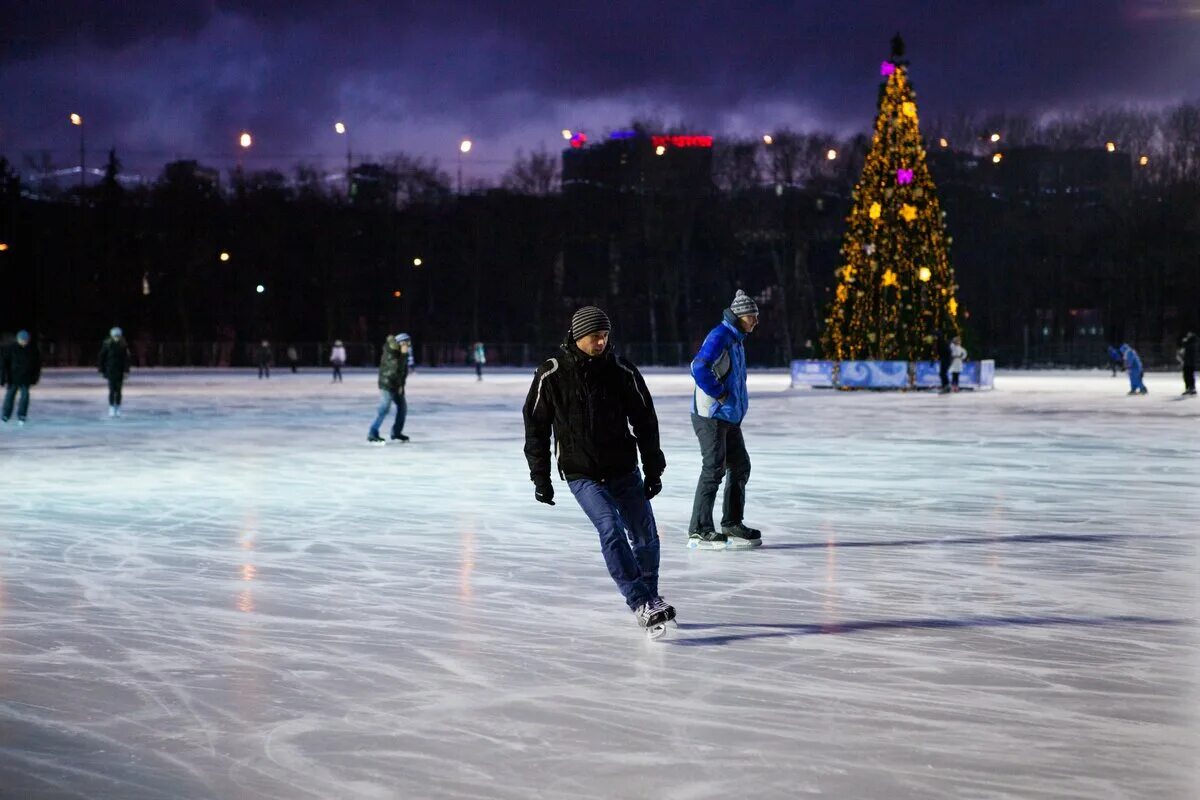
<point x="705" y="545"/>
<point x="744" y="544"/>
<point x="656" y="632"/>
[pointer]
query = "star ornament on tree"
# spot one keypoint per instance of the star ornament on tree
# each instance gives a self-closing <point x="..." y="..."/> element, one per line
<point x="908" y="212"/>
<point x="889" y="278"/>
<point x="953" y="306"/>
<point x="875" y="211"/>
<point x="909" y="109"/>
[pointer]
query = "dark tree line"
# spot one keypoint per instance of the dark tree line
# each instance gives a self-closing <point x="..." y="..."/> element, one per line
<point x="1056" y="250"/>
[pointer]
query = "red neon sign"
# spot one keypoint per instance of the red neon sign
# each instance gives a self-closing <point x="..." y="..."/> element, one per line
<point x="681" y="141"/>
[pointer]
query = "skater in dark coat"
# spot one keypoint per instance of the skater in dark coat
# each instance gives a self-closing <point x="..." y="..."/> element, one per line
<point x="945" y="359"/>
<point x="588" y="398"/>
<point x="1187" y="361"/>
<point x="20" y="368"/>
<point x="262" y="357"/>
<point x="113" y="363"/>
<point x="719" y="405"/>
<point x="393" y="374"/>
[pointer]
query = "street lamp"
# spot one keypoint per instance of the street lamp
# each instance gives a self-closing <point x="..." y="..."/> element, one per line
<point x="1111" y="147"/>
<point x="224" y="256"/>
<point x="417" y="262"/>
<point x="340" y="129"/>
<point x="660" y="150"/>
<point x="260" y="288"/>
<point x="943" y="142"/>
<point x="464" y="147"/>
<point x="995" y="137"/>
<point x="77" y="121"/>
<point x="566" y="134"/>
<point x="245" y="140"/>
<point x="831" y="155"/>
<point x="768" y="139"/>
<point x="996" y="159"/>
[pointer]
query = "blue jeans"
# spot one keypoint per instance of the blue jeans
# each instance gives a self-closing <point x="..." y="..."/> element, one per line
<point x="386" y="398"/>
<point x="628" y="535"/>
<point x="22" y="404"/>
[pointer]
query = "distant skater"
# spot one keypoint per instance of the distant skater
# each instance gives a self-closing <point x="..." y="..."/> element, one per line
<point x="113" y="363"/>
<point x="1115" y="362"/>
<point x="20" y="368"/>
<point x="588" y="399"/>
<point x="262" y="356"/>
<point x="478" y="358"/>
<point x="958" y="355"/>
<point x="337" y="358"/>
<point x="393" y="374"/>
<point x="1187" y="362"/>
<point x="719" y="406"/>
<point x="293" y="357"/>
<point x="1133" y="365"/>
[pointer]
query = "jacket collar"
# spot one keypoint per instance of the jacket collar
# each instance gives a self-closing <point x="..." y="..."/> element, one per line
<point x="730" y="320"/>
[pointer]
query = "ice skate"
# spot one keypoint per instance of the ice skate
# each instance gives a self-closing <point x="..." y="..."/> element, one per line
<point x="707" y="540"/>
<point x="112" y="411"/>
<point x="399" y="437"/>
<point x="653" y="617"/>
<point x="739" y="536"/>
<point x="376" y="440"/>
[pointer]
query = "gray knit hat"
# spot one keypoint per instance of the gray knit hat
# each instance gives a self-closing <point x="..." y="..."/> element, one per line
<point x="588" y="319"/>
<point x="743" y="304"/>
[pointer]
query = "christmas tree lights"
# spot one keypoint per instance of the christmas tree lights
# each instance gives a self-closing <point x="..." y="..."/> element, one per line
<point x="895" y="286"/>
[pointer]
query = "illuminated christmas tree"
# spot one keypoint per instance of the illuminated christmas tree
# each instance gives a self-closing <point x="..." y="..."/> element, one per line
<point x="895" y="286"/>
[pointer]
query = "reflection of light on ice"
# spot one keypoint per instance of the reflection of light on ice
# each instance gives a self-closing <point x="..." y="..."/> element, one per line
<point x="245" y="600"/>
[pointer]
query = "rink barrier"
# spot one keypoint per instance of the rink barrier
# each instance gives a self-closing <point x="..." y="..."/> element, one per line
<point x="894" y="375"/>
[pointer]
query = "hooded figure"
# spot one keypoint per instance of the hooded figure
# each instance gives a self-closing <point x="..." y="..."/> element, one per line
<point x="113" y="363"/>
<point x="20" y="368"/>
<point x="1133" y="365"/>
<point x="719" y="405"/>
<point x="588" y="399"/>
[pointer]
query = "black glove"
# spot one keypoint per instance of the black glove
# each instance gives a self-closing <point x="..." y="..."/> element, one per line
<point x="652" y="485"/>
<point x="544" y="492"/>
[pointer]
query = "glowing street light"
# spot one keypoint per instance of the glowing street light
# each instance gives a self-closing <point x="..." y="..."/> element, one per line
<point x="566" y="134"/>
<point x="768" y="139"/>
<point x="996" y="159"/>
<point x="1111" y="147"/>
<point x="339" y="127"/>
<point x="1144" y="160"/>
<point x="224" y="256"/>
<point x="995" y="137"/>
<point x="397" y="294"/>
<point x="245" y="140"/>
<point x="417" y="262"/>
<point x="260" y="288"/>
<point x="77" y="121"/>
<point x="831" y="155"/>
<point x="3" y="246"/>
<point x="341" y="130"/>
<point x="942" y="142"/>
<point x="464" y="147"/>
<point x="660" y="150"/>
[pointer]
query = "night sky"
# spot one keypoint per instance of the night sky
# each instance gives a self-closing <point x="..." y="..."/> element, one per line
<point x="182" y="79"/>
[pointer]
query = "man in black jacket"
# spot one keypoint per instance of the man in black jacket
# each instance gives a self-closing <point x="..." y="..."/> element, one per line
<point x="1187" y="361"/>
<point x="589" y="398"/>
<point x="113" y="363"/>
<point x="20" y="368"/>
<point x="393" y="374"/>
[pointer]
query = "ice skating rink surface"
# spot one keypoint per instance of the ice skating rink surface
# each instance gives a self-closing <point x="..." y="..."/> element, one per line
<point x="227" y="593"/>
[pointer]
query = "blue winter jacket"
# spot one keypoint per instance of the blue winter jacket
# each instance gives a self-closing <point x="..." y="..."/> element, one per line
<point x="1132" y="360"/>
<point x="719" y="370"/>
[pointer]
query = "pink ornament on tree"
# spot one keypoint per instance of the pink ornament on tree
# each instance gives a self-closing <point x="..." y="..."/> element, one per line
<point x="904" y="176"/>
<point x="886" y="68"/>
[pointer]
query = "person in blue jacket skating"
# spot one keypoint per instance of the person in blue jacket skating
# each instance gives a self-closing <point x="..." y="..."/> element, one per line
<point x="1133" y="365"/>
<point x="718" y="408"/>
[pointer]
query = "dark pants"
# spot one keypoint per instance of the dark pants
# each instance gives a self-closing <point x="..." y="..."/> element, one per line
<point x="478" y="370"/>
<point x="386" y="398"/>
<point x="954" y="379"/>
<point x="264" y="371"/>
<point x="10" y="394"/>
<point x="723" y="451"/>
<point x="337" y="372"/>
<point x="944" y="373"/>
<point x="114" y="391"/>
<point x="628" y="535"/>
<point x="1189" y="377"/>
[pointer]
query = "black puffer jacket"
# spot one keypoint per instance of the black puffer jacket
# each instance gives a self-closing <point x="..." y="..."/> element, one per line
<point x="20" y="366"/>
<point x="589" y="404"/>
<point x="114" y="359"/>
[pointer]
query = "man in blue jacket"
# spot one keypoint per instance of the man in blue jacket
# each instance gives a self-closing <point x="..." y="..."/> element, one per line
<point x="718" y="408"/>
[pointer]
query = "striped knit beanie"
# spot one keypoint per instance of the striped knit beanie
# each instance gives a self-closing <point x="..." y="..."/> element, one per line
<point x="743" y="304"/>
<point x="588" y="319"/>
